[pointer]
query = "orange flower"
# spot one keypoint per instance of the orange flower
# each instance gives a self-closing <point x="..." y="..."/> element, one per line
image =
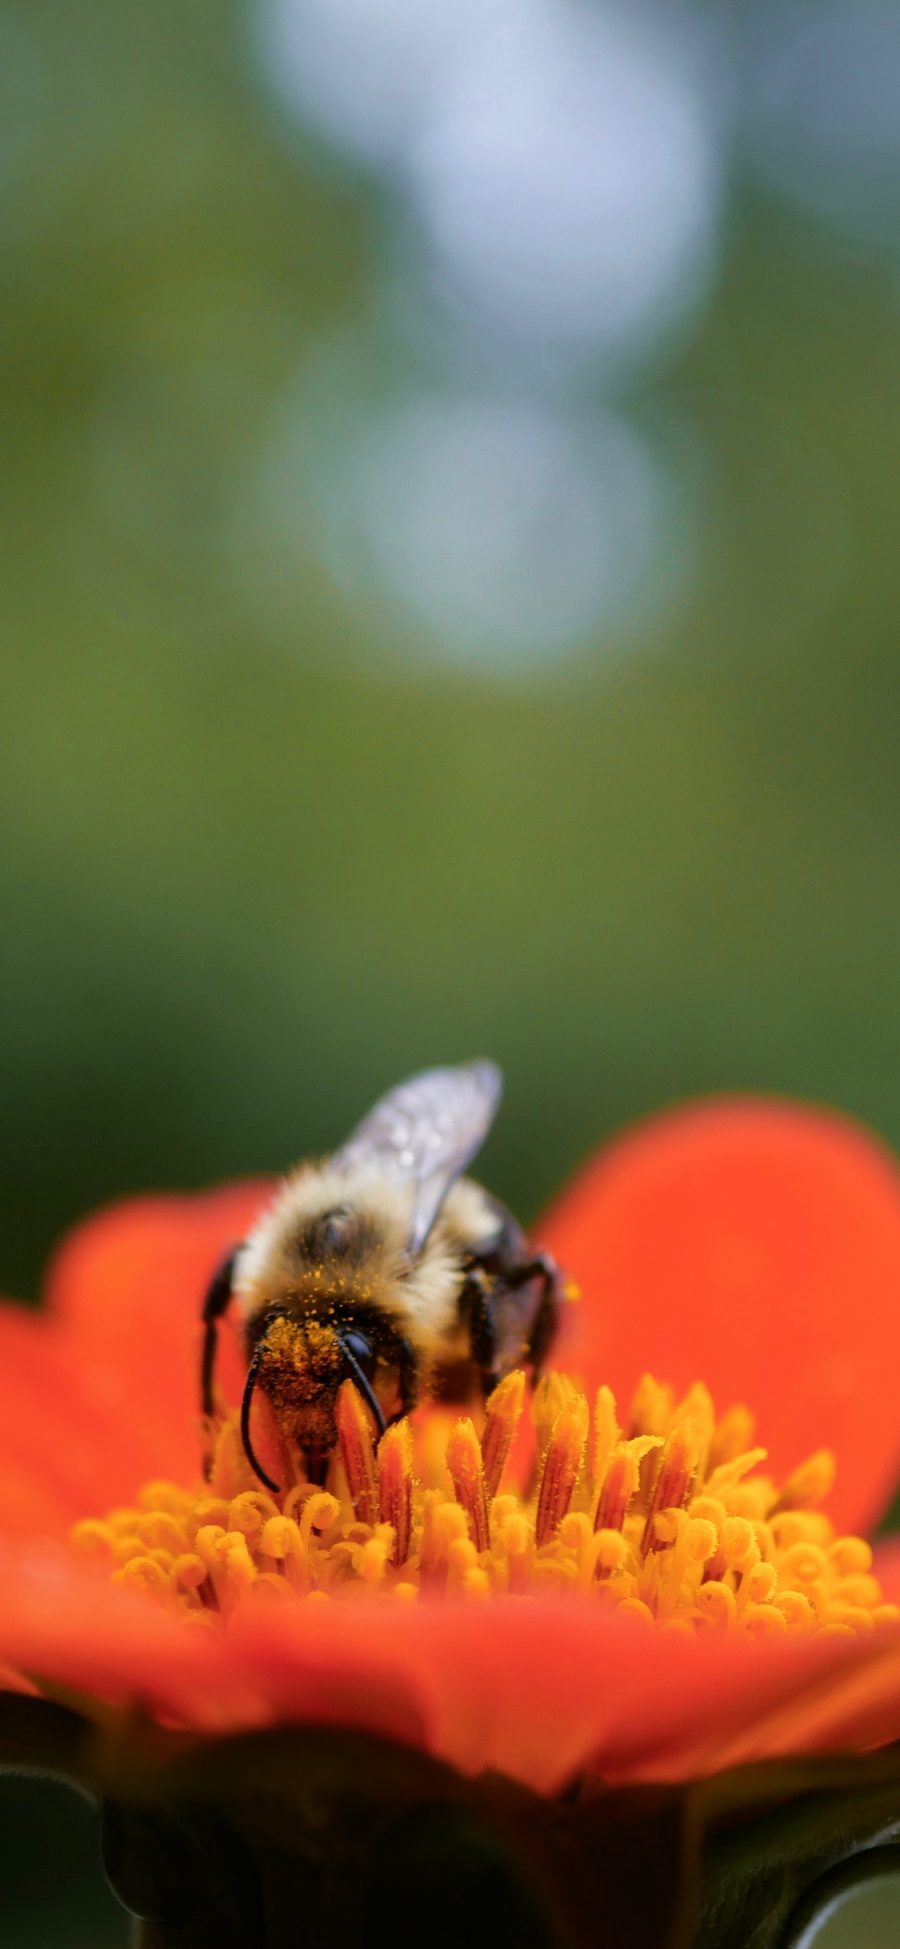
<point x="753" y="1245"/>
<point x="657" y="1632"/>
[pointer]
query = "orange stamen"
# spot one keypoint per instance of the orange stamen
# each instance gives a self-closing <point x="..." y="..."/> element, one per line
<point x="618" y="1488"/>
<point x="467" y="1475"/>
<point x="560" y="1466"/>
<point x="354" y="1426"/>
<point x="677" y="1471"/>
<point x="620" y="1482"/>
<point x="504" y="1411"/>
<point x="395" y="1460"/>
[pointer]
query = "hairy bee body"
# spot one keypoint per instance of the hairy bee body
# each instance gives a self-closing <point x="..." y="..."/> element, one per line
<point x="385" y="1265"/>
<point x="336" y="1241"/>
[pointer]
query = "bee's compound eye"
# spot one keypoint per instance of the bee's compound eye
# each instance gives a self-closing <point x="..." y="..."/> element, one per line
<point x="358" y="1345"/>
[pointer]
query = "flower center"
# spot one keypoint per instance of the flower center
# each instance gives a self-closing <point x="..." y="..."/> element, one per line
<point x="672" y="1520"/>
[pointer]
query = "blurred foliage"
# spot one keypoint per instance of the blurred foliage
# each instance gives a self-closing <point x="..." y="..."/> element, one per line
<point x="255" y="873"/>
<point x="54" y="1895"/>
<point x="260" y="861"/>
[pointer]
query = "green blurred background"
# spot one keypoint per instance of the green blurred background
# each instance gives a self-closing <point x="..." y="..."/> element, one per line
<point x="450" y="590"/>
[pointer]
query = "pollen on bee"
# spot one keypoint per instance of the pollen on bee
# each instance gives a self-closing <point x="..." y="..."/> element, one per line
<point x="296" y="1360"/>
<point x="674" y="1525"/>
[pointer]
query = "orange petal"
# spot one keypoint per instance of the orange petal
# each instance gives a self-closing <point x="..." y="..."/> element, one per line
<point x="63" y="1622"/>
<point x="754" y="1245"/>
<point x="848" y="1704"/>
<point x="130" y="1283"/>
<point x="886" y="1567"/>
<point x="66" y="1450"/>
<point x="543" y="1691"/>
<point x="538" y="1691"/>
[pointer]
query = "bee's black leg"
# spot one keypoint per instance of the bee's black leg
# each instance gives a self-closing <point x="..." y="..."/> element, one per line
<point x="475" y="1309"/>
<point x="546" y="1319"/>
<point x="520" y="1272"/>
<point x="409" y="1377"/>
<point x="499" y="1262"/>
<point x="407" y="1382"/>
<point x="218" y="1294"/>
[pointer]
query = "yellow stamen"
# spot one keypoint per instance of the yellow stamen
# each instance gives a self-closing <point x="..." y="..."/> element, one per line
<point x="677" y="1527"/>
<point x="733" y="1435"/>
<point x="810" y="1483"/>
<point x="606" y="1433"/>
<point x="553" y="1393"/>
<point x="651" y="1408"/>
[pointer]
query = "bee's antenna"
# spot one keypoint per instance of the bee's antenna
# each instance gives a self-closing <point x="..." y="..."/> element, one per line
<point x="362" y="1384"/>
<point x="249" y="1385"/>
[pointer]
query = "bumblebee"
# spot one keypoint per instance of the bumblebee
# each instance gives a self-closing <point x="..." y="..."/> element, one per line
<point x="384" y="1265"/>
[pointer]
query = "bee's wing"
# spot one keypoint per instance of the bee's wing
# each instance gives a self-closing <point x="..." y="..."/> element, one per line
<point x="425" y="1132"/>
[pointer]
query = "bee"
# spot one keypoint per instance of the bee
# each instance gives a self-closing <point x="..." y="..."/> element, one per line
<point x="386" y="1266"/>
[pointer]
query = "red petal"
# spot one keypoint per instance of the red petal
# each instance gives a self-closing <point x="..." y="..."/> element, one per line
<point x="886" y="1567"/>
<point x="130" y="1284"/>
<point x="851" y="1704"/>
<point x="754" y="1245"/>
<point x="65" y="1451"/>
<point x="539" y="1691"/>
<point x="61" y="1620"/>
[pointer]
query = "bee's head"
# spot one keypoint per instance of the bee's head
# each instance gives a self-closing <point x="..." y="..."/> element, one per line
<point x="299" y="1365"/>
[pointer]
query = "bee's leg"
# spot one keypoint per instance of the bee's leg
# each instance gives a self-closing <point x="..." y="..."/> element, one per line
<point x="407" y="1382"/>
<point x="511" y="1274"/>
<point x="218" y="1294"/>
<point x="546" y="1319"/>
<point x="543" y="1327"/>
<point x="475" y="1310"/>
<point x="408" y="1379"/>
